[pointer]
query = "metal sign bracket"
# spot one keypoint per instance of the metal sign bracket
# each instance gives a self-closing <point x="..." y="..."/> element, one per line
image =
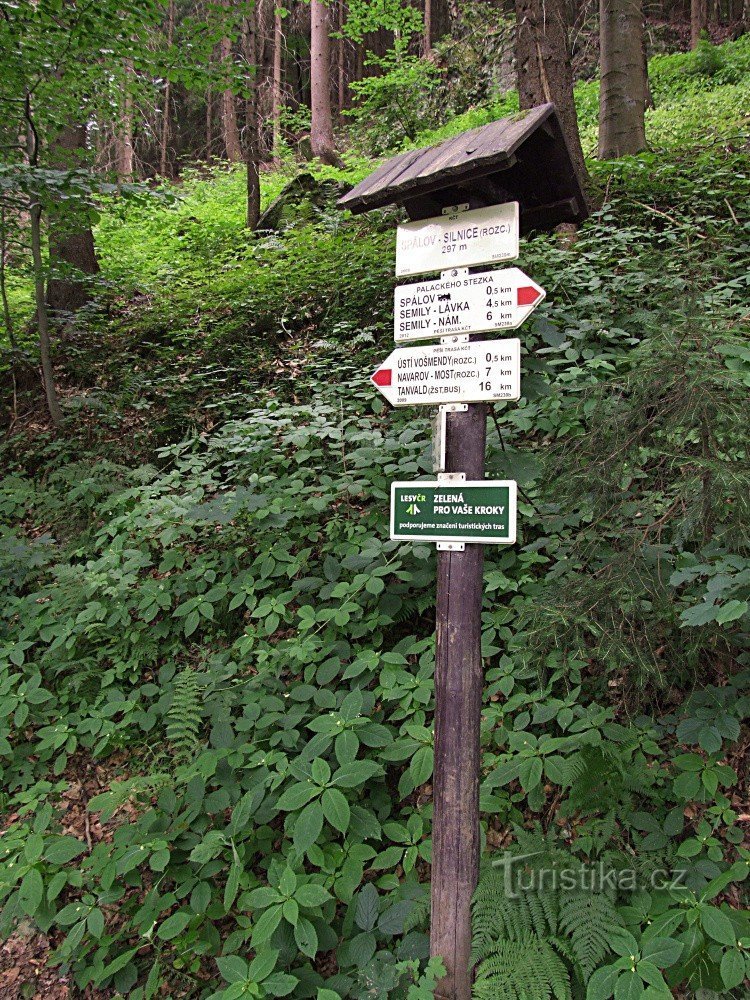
<point x="451" y="477"/>
<point x="455" y="209"/>
<point x="439" y="432"/>
<point x="459" y="338"/>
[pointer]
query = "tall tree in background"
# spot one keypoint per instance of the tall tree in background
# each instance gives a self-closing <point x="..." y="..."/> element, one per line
<point x="164" y="139"/>
<point x="229" y="128"/>
<point x="623" y="93"/>
<point x="276" y="81"/>
<point x="427" y="36"/>
<point x="321" y="128"/>
<point x="124" y="137"/>
<point x="251" y="52"/>
<point x="71" y="241"/>
<point x="543" y="67"/>
<point x="698" y="20"/>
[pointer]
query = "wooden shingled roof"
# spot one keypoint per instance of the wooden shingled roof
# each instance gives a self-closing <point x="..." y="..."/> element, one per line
<point x="522" y="158"/>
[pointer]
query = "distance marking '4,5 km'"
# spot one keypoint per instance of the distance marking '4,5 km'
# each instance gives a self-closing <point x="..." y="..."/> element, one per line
<point x="464" y="303"/>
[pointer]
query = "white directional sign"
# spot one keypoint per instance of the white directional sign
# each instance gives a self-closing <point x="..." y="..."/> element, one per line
<point x="466" y="303"/>
<point x="480" y="236"/>
<point x="432" y="374"/>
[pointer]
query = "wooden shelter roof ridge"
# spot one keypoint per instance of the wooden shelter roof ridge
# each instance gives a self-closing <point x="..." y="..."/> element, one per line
<point x="481" y="149"/>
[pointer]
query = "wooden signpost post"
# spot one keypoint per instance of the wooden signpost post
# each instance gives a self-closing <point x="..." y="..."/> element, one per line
<point x="469" y="197"/>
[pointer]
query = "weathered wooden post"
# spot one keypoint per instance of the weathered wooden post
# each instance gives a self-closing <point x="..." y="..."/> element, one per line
<point x="464" y="197"/>
<point x="458" y="703"/>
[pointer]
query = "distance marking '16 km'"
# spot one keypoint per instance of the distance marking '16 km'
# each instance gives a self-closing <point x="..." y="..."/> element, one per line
<point x="432" y="374"/>
<point x="467" y="303"/>
<point x="462" y="239"/>
<point x="480" y="511"/>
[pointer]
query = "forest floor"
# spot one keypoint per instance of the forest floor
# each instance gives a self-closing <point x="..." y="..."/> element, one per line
<point x="196" y="576"/>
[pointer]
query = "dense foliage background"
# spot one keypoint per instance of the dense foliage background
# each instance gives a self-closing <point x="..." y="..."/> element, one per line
<point x="216" y="670"/>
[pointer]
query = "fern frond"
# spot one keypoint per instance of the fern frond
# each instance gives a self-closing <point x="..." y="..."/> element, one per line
<point x="496" y="915"/>
<point x="526" y="969"/>
<point x="418" y="916"/>
<point x="589" y="921"/>
<point x="184" y="717"/>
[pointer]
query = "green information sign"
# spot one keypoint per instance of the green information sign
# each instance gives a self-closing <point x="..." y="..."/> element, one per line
<point x="482" y="511"/>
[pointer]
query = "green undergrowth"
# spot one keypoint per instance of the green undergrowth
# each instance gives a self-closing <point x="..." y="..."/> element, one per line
<point x="209" y="644"/>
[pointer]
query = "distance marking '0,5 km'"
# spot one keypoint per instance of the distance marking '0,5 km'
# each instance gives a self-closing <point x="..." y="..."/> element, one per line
<point x="432" y="374"/>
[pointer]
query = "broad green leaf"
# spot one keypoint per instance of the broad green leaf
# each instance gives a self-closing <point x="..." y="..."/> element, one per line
<point x="31" y="891"/>
<point x="279" y="984"/>
<point x="601" y="985"/>
<point x="336" y="809"/>
<point x="297" y="796"/>
<point x="308" y="826"/>
<point x="263" y="896"/>
<point x="95" y="923"/>
<point x="629" y="986"/>
<point x="368" y="907"/>
<point x="732" y="968"/>
<point x="422" y="765"/>
<point x="306" y="938"/>
<point x="233" y="969"/>
<point x="232" y="886"/>
<point x="173" y="925"/>
<point x="266" y="925"/>
<point x="530" y="773"/>
<point x="200" y="897"/>
<point x="356" y="773"/>
<point x="311" y="895"/>
<point x="287" y="882"/>
<point x="717" y="925"/>
<point x="263" y="964"/>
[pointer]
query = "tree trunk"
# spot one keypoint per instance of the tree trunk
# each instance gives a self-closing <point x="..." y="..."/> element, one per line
<point x="543" y="68"/>
<point x="251" y="50"/>
<point x="321" y="128"/>
<point x="42" y="318"/>
<point x="441" y="19"/>
<point x="341" y="58"/>
<point x="278" y="45"/>
<point x="622" y="97"/>
<point x="71" y="242"/>
<point x="164" y="142"/>
<point x="124" y="147"/>
<point x="209" y="125"/>
<point x="7" y="318"/>
<point x="427" y="33"/>
<point x="698" y="20"/>
<point x="229" y="127"/>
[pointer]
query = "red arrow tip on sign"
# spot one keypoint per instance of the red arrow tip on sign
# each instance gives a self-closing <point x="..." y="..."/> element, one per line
<point x="527" y="295"/>
<point x="382" y="376"/>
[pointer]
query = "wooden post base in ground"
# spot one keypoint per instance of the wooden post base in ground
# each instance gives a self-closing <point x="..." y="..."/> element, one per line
<point x="458" y="704"/>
